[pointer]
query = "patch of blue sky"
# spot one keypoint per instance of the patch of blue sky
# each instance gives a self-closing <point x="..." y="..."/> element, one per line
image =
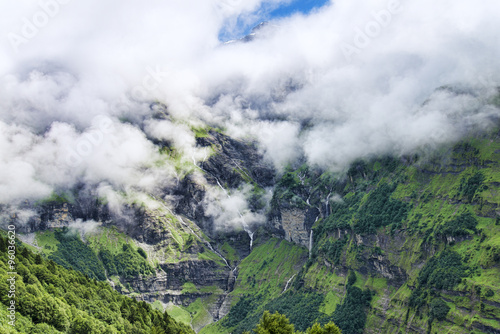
<point x="268" y="12"/>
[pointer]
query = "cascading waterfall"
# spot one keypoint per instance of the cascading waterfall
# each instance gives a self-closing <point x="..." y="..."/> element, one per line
<point x="288" y="282"/>
<point x="246" y="228"/>
<point x="326" y="204"/>
<point x="235" y="274"/>
<point x="245" y="225"/>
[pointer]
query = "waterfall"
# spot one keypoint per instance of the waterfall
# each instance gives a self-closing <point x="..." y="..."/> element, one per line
<point x="245" y="225"/>
<point x="246" y="228"/>
<point x="288" y="282"/>
<point x="310" y="243"/>
<point x="326" y="204"/>
<point x="235" y="274"/>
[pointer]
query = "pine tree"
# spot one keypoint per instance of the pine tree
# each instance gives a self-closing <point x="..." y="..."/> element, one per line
<point x="274" y="324"/>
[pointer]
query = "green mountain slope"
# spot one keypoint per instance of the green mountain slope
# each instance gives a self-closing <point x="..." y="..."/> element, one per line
<point x="392" y="245"/>
<point x="419" y="235"/>
<point x="51" y="299"/>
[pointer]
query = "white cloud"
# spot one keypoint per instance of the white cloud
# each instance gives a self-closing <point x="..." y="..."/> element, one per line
<point x="94" y="58"/>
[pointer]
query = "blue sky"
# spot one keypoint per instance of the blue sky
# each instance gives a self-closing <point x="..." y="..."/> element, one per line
<point x="268" y="13"/>
<point x="303" y="6"/>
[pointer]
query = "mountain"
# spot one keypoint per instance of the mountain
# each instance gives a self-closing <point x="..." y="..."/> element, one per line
<point x="43" y="297"/>
<point x="393" y="244"/>
<point x="398" y="245"/>
<point x="336" y="167"/>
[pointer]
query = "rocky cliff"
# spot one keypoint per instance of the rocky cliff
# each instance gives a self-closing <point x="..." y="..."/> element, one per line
<point x="418" y="235"/>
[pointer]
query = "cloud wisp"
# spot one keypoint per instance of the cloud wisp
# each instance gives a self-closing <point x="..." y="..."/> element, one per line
<point x="348" y="80"/>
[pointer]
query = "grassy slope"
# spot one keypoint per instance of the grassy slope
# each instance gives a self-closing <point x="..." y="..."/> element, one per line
<point x="264" y="274"/>
<point x="434" y="192"/>
<point x="268" y="268"/>
<point x="52" y="299"/>
<point x="435" y="197"/>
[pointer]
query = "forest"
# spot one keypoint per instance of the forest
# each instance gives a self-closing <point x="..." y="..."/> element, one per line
<point x="51" y="299"/>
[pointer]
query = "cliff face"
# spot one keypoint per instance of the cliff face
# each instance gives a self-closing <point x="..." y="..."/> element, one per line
<point x="235" y="162"/>
<point x="392" y="222"/>
<point x="294" y="224"/>
<point x="193" y="261"/>
<point x="400" y="224"/>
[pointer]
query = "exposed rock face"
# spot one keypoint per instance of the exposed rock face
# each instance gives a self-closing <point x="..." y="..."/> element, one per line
<point x="240" y="241"/>
<point x="234" y="161"/>
<point x="174" y="275"/>
<point x="294" y="224"/>
<point x="378" y="264"/>
<point x="190" y="197"/>
<point x="167" y="286"/>
<point x="60" y="217"/>
<point x="30" y="217"/>
<point x="148" y="226"/>
<point x="223" y="309"/>
<point x="204" y="273"/>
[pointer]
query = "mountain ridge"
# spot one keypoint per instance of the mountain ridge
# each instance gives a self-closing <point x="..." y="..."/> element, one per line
<point x="378" y="222"/>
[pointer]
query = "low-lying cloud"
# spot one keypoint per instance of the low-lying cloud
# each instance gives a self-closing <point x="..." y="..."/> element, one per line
<point x="293" y="88"/>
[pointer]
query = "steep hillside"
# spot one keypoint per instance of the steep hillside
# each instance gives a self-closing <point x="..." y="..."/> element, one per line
<point x="172" y="248"/>
<point x="43" y="297"/>
<point x="394" y="244"/>
<point x="398" y="245"/>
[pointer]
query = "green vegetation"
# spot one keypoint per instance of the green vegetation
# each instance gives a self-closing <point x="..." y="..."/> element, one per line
<point x="52" y="299"/>
<point x="301" y="307"/>
<point x="179" y="314"/>
<point x="108" y="239"/>
<point x="128" y="263"/>
<point x="352" y="278"/>
<point x="47" y="241"/>
<point x="107" y="249"/>
<point x="350" y="316"/>
<point x="201" y="132"/>
<point x="341" y="214"/>
<point x="407" y="242"/>
<point x="334" y="249"/>
<point x="239" y="311"/>
<point x="444" y="271"/>
<point x="73" y="253"/>
<point x="428" y="222"/>
<point x="169" y="156"/>
<point x="380" y="210"/>
<point x="276" y="323"/>
<point x="462" y="225"/>
<point x="142" y="253"/>
<point x="267" y="269"/>
<point x="57" y="198"/>
<point x="470" y="186"/>
<point x="438" y="310"/>
<point x="189" y="287"/>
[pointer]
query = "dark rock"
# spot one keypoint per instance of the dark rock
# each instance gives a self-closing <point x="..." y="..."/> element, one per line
<point x="235" y="161"/>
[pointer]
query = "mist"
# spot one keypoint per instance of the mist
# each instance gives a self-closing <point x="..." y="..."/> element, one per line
<point x="349" y="80"/>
